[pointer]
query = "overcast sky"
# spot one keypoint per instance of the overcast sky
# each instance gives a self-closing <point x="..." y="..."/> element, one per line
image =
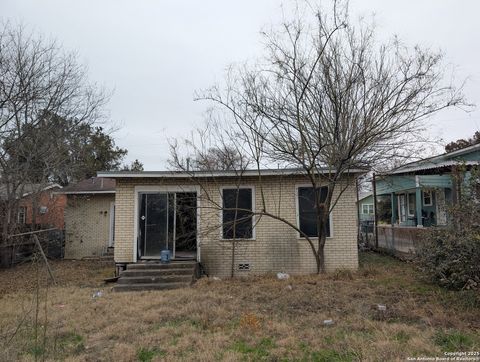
<point x="155" y="54"/>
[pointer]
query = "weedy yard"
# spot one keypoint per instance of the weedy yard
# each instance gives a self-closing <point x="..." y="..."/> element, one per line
<point x="252" y="319"/>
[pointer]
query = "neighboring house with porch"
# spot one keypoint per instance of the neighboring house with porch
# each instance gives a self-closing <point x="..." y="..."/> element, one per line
<point x="89" y="218"/>
<point x="190" y="214"/>
<point x="418" y="194"/>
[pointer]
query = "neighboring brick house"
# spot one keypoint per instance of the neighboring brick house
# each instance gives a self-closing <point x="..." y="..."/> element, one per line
<point x="89" y="218"/>
<point x="40" y="204"/>
<point x="186" y="214"/>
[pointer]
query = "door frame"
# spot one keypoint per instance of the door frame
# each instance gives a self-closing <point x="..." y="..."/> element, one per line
<point x="161" y="189"/>
<point x="111" y="238"/>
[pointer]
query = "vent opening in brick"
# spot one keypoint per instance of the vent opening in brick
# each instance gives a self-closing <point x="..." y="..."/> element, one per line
<point x="244" y="266"/>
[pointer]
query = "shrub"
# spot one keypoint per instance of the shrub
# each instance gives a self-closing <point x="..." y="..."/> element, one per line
<point x="450" y="259"/>
<point x="450" y="255"/>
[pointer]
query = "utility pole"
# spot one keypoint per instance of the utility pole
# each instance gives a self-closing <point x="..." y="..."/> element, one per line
<point x="375" y="216"/>
<point x="358" y="211"/>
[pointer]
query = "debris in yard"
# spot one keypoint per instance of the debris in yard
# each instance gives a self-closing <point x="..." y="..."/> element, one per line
<point x="328" y="322"/>
<point x="381" y="313"/>
<point x="289" y="287"/>
<point x="282" y="276"/>
<point x="216" y="279"/>
<point x="97" y="294"/>
<point x="110" y="280"/>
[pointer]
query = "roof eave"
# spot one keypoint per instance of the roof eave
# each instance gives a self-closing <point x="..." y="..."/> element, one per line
<point x="83" y="192"/>
<point x="437" y="157"/>
<point x="248" y="173"/>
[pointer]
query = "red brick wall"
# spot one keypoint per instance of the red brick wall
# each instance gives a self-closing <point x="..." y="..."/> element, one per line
<point x="54" y="203"/>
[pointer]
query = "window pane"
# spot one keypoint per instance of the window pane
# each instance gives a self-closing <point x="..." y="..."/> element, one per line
<point x="402" y="207"/>
<point x="308" y="212"/>
<point x="237" y="216"/>
<point x="411" y="204"/>
<point x="22" y="215"/>
<point x="427" y="198"/>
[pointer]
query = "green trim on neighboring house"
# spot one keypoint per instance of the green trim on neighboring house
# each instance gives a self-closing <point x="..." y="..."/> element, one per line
<point x="396" y="183"/>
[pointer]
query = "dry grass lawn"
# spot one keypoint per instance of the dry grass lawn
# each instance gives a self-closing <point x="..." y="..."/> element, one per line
<point x="254" y="319"/>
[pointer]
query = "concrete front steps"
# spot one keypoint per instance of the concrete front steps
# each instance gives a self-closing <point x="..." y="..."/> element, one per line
<point x="156" y="276"/>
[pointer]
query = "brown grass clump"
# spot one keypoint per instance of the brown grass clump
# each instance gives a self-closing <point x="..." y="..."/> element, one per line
<point x="254" y="319"/>
<point x="250" y="322"/>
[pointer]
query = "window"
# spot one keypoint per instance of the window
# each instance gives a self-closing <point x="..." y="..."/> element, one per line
<point x="367" y="209"/>
<point x="307" y="212"/>
<point x="427" y="198"/>
<point x="411" y="204"/>
<point x="402" y="208"/>
<point x="237" y="221"/>
<point x="22" y="215"/>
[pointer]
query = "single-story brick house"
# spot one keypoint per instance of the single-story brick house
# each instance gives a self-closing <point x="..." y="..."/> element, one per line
<point x="89" y="218"/>
<point x="186" y="214"/>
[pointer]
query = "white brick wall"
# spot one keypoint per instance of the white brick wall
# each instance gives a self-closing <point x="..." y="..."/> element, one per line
<point x="276" y="246"/>
<point x="87" y="225"/>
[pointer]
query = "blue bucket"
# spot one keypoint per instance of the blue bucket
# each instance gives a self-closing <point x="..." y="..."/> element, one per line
<point x="165" y="256"/>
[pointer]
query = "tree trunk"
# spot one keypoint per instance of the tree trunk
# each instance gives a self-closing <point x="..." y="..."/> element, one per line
<point x="232" y="271"/>
<point x="321" y="255"/>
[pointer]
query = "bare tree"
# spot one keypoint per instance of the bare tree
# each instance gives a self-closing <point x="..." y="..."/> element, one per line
<point x="38" y="81"/>
<point x="209" y="148"/>
<point x="328" y="99"/>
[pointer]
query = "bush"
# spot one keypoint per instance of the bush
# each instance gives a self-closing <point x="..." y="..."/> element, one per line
<point x="451" y="260"/>
<point x="450" y="255"/>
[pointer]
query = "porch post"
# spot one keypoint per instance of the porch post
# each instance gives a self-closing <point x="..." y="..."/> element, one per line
<point x="418" y="202"/>
<point x="394" y="204"/>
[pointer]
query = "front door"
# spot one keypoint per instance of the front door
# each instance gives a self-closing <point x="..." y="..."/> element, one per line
<point x="154" y="224"/>
<point x="167" y="220"/>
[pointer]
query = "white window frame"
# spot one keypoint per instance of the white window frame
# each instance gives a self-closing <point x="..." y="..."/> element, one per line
<point x="159" y="188"/>
<point x="254" y="217"/>
<point x="430" y="193"/>
<point x="369" y="207"/>
<point x="24" y="213"/>
<point x="297" y="215"/>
